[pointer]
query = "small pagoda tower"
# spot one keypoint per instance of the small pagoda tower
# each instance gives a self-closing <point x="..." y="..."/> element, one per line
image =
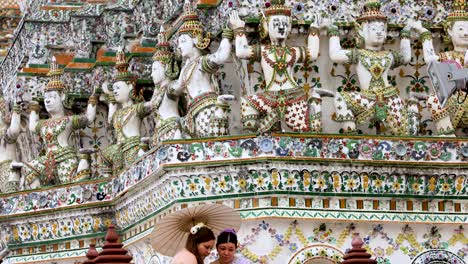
<point x="357" y="254"/>
<point x="112" y="251"/>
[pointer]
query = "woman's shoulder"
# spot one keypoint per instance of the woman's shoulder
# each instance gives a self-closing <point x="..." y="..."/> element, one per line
<point x="184" y="257"/>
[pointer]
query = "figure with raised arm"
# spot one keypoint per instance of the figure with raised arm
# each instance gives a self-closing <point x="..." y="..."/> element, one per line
<point x="207" y="111"/>
<point x="126" y="112"/>
<point x="282" y="99"/>
<point x="164" y="71"/>
<point x="455" y="113"/>
<point x="60" y="163"/>
<point x="377" y="101"/>
<point x="10" y="128"/>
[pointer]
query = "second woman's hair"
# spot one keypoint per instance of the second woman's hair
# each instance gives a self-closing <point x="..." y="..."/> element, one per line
<point x="203" y="234"/>
<point x="227" y="236"/>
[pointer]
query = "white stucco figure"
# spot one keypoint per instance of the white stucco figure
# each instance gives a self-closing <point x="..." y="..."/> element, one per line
<point x="207" y="111"/>
<point x="282" y="99"/>
<point x="126" y="112"/>
<point x="164" y="70"/>
<point x="455" y="113"/>
<point x="10" y="128"/>
<point x="59" y="165"/>
<point x="378" y="101"/>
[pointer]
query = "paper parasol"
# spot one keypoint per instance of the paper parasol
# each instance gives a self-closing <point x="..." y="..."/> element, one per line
<point x="170" y="234"/>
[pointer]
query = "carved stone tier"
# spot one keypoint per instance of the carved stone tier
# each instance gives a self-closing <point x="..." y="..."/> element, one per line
<point x="284" y="176"/>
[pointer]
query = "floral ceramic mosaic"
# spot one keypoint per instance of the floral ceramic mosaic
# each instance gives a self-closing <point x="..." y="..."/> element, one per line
<point x="382" y="152"/>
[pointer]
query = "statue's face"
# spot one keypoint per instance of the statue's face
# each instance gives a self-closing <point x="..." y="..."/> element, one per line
<point x="279" y="27"/>
<point x="121" y="91"/>
<point x="374" y="32"/>
<point x="459" y="33"/>
<point x="185" y="44"/>
<point x="53" y="101"/>
<point x="157" y="72"/>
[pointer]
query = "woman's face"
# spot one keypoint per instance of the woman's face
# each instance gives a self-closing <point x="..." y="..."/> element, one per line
<point x="226" y="252"/>
<point x="205" y="248"/>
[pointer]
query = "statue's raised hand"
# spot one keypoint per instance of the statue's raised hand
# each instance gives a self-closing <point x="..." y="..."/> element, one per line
<point x="415" y="25"/>
<point x="316" y="22"/>
<point x="235" y="21"/>
<point x="105" y="88"/>
<point x="320" y="23"/>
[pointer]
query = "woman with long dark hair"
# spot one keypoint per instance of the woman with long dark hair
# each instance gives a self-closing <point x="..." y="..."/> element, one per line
<point x="199" y="244"/>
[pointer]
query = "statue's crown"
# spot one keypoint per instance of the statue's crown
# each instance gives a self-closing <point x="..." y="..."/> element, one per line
<point x="278" y="7"/>
<point x="55" y="83"/>
<point x="163" y="49"/>
<point x="121" y="65"/>
<point x="191" y="24"/>
<point x="458" y="12"/>
<point x="371" y="11"/>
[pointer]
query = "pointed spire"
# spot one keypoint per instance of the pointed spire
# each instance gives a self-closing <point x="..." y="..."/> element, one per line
<point x="91" y="254"/>
<point x="121" y="65"/>
<point x="163" y="50"/>
<point x="112" y="251"/>
<point x="357" y="254"/>
<point x="55" y="83"/>
<point x="191" y="24"/>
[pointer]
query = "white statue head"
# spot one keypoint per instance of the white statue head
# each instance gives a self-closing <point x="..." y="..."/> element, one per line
<point x="186" y="45"/>
<point x="192" y="37"/>
<point x="458" y="32"/>
<point x="163" y="58"/>
<point x="372" y="25"/>
<point x="279" y="27"/>
<point x="277" y="23"/>
<point x="374" y="33"/>
<point x="54" y="92"/>
<point x="124" y="81"/>
<point x="53" y="101"/>
<point x="122" y="91"/>
<point x="158" y="70"/>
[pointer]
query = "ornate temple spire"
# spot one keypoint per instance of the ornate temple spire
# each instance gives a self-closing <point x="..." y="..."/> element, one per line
<point x="55" y="83"/>
<point x="371" y="11"/>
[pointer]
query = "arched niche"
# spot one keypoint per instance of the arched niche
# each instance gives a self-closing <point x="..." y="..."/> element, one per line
<point x="317" y="254"/>
<point x="437" y="256"/>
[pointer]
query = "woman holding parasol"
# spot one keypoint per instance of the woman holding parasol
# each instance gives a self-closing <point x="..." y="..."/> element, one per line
<point x="188" y="234"/>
